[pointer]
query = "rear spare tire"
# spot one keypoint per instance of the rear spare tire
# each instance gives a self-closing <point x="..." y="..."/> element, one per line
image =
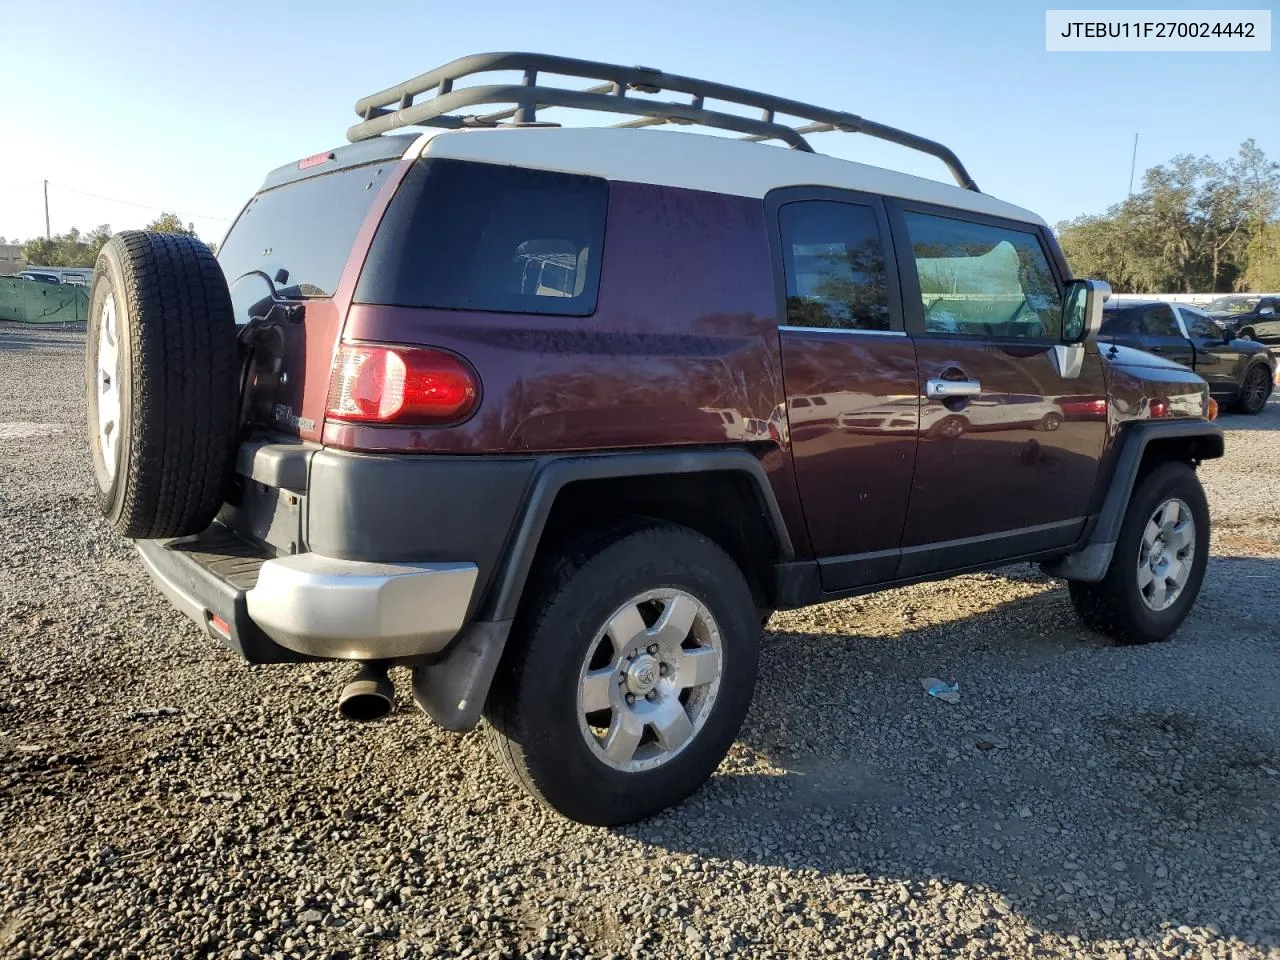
<point x="161" y="377"/>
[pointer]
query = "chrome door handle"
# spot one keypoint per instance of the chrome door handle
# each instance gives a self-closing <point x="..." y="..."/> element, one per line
<point x="946" y="389"/>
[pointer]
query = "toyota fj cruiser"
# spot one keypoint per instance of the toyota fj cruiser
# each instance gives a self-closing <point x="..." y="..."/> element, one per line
<point x="555" y="417"/>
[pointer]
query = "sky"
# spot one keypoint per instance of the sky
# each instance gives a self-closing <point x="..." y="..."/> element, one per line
<point x="155" y="105"/>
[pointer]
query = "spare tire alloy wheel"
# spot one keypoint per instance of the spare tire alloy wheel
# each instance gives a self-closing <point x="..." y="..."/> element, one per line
<point x="645" y="692"/>
<point x="108" y="364"/>
<point x="161" y="383"/>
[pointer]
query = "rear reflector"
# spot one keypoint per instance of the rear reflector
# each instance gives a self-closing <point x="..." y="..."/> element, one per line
<point x="381" y="384"/>
<point x="220" y="625"/>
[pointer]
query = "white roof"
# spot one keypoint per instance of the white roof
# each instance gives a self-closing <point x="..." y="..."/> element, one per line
<point x="695" y="161"/>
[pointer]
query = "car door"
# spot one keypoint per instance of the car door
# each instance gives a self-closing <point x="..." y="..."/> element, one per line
<point x="1267" y="323"/>
<point x="1160" y="334"/>
<point x="1001" y="471"/>
<point x="1215" y="360"/>
<point x="849" y="371"/>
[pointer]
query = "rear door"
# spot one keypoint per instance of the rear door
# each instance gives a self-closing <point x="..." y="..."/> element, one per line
<point x="850" y="377"/>
<point x="1001" y="470"/>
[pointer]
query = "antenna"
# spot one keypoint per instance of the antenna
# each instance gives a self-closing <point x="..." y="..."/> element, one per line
<point x="1133" y="164"/>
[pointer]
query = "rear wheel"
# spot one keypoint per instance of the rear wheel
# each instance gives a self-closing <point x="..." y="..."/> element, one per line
<point x="1158" y="564"/>
<point x="628" y="675"/>
<point x="1254" y="390"/>
<point x="161" y="379"/>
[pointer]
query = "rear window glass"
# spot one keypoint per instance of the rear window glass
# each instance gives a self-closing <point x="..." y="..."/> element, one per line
<point x="473" y="236"/>
<point x="307" y="227"/>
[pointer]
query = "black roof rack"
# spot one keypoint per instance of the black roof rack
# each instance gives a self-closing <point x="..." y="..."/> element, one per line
<point x="395" y="107"/>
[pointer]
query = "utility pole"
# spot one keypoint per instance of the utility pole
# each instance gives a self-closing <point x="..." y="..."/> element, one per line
<point x="48" y="234"/>
<point x="1133" y="164"/>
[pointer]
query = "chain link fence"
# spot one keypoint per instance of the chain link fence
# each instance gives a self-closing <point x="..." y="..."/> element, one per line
<point x="29" y="301"/>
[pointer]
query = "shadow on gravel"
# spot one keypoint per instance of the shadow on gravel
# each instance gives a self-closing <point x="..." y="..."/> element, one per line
<point x="1105" y="791"/>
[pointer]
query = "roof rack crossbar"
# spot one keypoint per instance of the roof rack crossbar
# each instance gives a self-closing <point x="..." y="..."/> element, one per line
<point x="396" y="106"/>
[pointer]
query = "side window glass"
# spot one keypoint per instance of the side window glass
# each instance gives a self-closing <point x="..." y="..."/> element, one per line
<point x="982" y="281"/>
<point x="1158" y="321"/>
<point x="835" y="266"/>
<point x="1198" y="325"/>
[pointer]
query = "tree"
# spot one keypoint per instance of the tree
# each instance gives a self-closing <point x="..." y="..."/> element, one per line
<point x="170" y="223"/>
<point x="1263" y="271"/>
<point x="70" y="249"/>
<point x="1189" y="229"/>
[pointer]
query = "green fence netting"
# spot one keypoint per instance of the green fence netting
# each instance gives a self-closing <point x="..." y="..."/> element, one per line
<point x="28" y="301"/>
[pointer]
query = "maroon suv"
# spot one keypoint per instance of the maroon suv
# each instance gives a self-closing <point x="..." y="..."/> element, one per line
<point x="555" y="417"/>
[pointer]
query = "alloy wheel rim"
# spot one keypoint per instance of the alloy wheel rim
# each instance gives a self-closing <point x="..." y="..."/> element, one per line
<point x="1257" y="386"/>
<point x="108" y="385"/>
<point x="1166" y="554"/>
<point x="650" y="679"/>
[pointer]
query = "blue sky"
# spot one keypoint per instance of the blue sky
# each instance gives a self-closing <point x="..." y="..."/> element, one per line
<point x="186" y="106"/>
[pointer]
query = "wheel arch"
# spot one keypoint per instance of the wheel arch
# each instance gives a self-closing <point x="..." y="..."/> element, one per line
<point x="1140" y="448"/>
<point x="569" y="494"/>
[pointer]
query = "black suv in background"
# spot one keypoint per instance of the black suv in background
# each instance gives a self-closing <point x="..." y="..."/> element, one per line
<point x="1249" y="316"/>
<point x="1240" y="373"/>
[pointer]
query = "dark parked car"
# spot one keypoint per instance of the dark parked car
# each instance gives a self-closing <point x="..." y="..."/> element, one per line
<point x="1249" y="316"/>
<point x="1240" y="373"/>
<point x="552" y="418"/>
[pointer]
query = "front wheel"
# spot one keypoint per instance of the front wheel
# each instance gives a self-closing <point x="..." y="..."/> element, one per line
<point x="1158" y="563"/>
<point x="628" y="674"/>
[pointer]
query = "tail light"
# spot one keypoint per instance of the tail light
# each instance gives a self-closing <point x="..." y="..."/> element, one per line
<point x="1159" y="408"/>
<point x="373" y="383"/>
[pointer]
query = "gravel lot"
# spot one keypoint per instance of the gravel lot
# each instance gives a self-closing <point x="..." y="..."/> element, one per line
<point x="158" y="798"/>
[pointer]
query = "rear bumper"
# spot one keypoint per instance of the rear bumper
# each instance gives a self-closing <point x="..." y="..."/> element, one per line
<point x="279" y="609"/>
<point x="357" y="610"/>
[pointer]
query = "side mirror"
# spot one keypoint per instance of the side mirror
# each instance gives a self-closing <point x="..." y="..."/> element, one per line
<point x="1267" y="312"/>
<point x="1082" y="309"/>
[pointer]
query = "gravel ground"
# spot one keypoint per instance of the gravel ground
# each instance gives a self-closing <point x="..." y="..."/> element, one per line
<point x="158" y="798"/>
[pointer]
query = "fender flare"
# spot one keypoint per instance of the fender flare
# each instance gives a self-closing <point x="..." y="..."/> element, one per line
<point x="1091" y="561"/>
<point x="452" y="689"/>
<point x="554" y="473"/>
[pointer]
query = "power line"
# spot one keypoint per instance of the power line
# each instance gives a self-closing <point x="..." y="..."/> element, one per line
<point x="140" y="206"/>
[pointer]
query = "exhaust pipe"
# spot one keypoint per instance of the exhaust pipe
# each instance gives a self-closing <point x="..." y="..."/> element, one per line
<point x="369" y="696"/>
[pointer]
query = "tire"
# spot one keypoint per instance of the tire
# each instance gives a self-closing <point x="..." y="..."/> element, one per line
<point x="1051" y="422"/>
<point x="535" y="724"/>
<point x="161" y="383"/>
<point x="1254" y="390"/>
<point x="950" y="427"/>
<point x="1114" y="606"/>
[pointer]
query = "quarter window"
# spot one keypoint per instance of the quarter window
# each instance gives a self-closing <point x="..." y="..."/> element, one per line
<point x="835" y="266"/>
<point x="978" y="280"/>
<point x="476" y="236"/>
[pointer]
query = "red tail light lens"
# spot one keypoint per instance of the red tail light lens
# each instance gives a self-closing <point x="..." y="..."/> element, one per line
<point x="379" y="384"/>
<point x="1159" y="408"/>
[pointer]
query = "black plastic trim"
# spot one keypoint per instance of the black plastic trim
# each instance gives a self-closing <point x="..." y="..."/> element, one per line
<point x="175" y="561"/>
<point x="1132" y="443"/>
<point x="555" y="472"/>
<point x="406" y="508"/>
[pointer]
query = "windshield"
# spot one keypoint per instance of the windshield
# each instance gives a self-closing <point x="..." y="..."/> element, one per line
<point x="1233" y="304"/>
<point x="306" y="228"/>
